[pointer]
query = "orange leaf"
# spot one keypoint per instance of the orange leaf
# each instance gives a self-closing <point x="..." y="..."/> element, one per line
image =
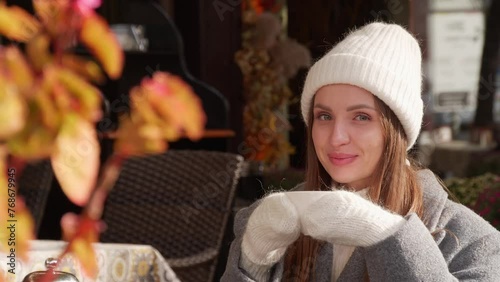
<point x="85" y="254"/>
<point x="38" y="51"/>
<point x="17" y="24"/>
<point x="19" y="70"/>
<point x="81" y="234"/>
<point x="12" y="109"/>
<point x="48" y="104"/>
<point x="34" y="143"/>
<point x="86" y="68"/>
<point x="103" y="44"/>
<point x="49" y="10"/>
<point x="174" y="101"/>
<point x="88" y="97"/>
<point x="76" y="158"/>
<point x="132" y="139"/>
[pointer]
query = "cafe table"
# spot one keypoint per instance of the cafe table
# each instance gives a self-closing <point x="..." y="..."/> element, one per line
<point x="116" y="262"/>
<point x="454" y="158"/>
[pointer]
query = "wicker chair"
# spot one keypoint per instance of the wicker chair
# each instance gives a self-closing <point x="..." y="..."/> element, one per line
<point x="179" y="202"/>
<point x="34" y="184"/>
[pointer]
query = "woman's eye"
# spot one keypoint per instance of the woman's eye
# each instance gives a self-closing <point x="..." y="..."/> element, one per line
<point x="362" y="117"/>
<point x="322" y="116"/>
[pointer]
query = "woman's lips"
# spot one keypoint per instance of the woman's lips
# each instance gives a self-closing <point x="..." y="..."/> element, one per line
<point x="341" y="159"/>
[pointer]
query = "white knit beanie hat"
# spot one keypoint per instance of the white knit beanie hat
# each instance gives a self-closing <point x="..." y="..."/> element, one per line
<point x="383" y="59"/>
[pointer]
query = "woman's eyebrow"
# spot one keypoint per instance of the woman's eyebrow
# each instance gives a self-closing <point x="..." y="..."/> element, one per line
<point x="323" y="107"/>
<point x="360" y="106"/>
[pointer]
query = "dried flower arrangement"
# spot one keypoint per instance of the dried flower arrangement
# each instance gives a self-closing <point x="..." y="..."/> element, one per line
<point x="268" y="59"/>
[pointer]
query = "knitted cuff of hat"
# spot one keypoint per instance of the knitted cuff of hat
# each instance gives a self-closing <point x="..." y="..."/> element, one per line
<point x="256" y="271"/>
<point x="346" y="218"/>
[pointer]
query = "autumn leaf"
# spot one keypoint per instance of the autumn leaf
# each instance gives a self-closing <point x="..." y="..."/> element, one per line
<point x="36" y="139"/>
<point x="174" y="101"/>
<point x="88" y="96"/>
<point x="38" y="51"/>
<point x="163" y="108"/>
<point x="17" y="24"/>
<point x="75" y="160"/>
<point x="58" y="20"/>
<point x="86" y="68"/>
<point x="85" y="254"/>
<point x="103" y="44"/>
<point x="19" y="70"/>
<point x="50" y="11"/>
<point x="33" y="143"/>
<point x="81" y="232"/>
<point x="12" y="109"/>
<point x="134" y="140"/>
<point x="50" y="101"/>
<point x="195" y="119"/>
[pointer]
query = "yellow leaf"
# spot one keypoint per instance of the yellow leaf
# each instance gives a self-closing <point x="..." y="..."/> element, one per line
<point x="134" y="140"/>
<point x="169" y="95"/>
<point x="50" y="101"/>
<point x="143" y="107"/>
<point x="86" y="68"/>
<point x="35" y="140"/>
<point x="88" y="97"/>
<point x="50" y="10"/>
<point x="103" y="44"/>
<point x="76" y="158"/>
<point x="17" y="24"/>
<point x="38" y="51"/>
<point x="12" y="109"/>
<point x="19" y="70"/>
<point x="81" y="234"/>
<point x="85" y="254"/>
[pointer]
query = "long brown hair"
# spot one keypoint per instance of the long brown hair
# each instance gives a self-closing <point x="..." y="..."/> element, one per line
<point x="394" y="186"/>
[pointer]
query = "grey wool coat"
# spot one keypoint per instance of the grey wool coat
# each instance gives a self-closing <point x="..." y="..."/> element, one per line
<point x="464" y="247"/>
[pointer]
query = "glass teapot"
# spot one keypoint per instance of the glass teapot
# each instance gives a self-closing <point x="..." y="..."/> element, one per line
<point x="59" y="276"/>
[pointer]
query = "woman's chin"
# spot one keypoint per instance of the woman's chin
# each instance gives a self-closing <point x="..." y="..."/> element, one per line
<point x="350" y="179"/>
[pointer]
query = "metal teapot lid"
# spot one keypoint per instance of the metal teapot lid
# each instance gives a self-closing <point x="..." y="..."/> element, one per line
<point x="59" y="276"/>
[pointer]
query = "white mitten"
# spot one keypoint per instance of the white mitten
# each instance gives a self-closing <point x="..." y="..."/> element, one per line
<point x="345" y="218"/>
<point x="271" y="228"/>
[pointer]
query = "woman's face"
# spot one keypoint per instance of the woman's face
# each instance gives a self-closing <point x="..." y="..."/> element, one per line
<point x="347" y="134"/>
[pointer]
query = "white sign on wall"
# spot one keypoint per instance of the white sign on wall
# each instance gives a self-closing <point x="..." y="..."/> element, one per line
<point x="455" y="48"/>
<point x="455" y="5"/>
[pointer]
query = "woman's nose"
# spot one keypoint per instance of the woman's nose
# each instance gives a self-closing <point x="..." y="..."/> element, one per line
<point x="339" y="134"/>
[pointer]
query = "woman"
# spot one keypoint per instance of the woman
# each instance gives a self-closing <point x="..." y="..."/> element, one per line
<point x="381" y="218"/>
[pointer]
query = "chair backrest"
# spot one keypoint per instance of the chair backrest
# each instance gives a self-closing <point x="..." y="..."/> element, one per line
<point x="34" y="185"/>
<point x="165" y="53"/>
<point x="179" y="202"/>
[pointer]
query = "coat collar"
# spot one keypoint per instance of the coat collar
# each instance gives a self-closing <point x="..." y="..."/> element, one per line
<point x="434" y="199"/>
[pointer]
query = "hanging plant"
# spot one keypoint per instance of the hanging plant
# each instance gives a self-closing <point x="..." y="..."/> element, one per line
<point x="49" y="107"/>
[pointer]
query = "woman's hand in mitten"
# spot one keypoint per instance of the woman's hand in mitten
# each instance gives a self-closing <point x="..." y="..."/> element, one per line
<point x="271" y="228"/>
<point x="345" y="218"/>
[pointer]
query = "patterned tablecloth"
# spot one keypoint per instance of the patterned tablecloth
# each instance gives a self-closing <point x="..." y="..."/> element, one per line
<point x="117" y="262"/>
